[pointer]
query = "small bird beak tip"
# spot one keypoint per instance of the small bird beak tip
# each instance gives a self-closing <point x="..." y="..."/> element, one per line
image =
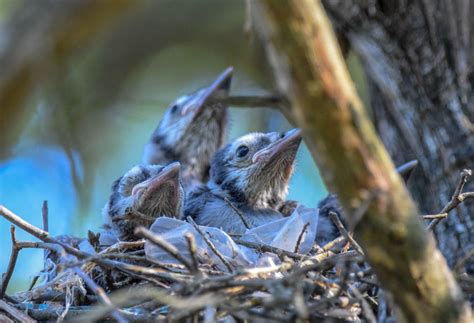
<point x="169" y="174"/>
<point x="219" y="88"/>
<point x="292" y="140"/>
<point x="170" y="171"/>
<point x="223" y="81"/>
<point x="174" y="165"/>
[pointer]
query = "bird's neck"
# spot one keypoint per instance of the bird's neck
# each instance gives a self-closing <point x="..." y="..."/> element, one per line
<point x="270" y="198"/>
<point x="191" y="169"/>
<point x="266" y="199"/>
<point x="193" y="173"/>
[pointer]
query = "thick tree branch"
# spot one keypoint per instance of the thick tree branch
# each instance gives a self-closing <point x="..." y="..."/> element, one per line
<point x="310" y="71"/>
<point x="418" y="60"/>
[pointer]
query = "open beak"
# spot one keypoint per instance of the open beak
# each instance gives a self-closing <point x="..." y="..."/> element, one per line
<point x="169" y="174"/>
<point x="219" y="88"/>
<point x="286" y="145"/>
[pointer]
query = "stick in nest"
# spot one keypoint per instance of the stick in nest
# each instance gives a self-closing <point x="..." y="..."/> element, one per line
<point x="300" y="238"/>
<point x="165" y="245"/>
<point x="17" y="314"/>
<point x="99" y="291"/>
<point x="210" y="244"/>
<point x="366" y="309"/>
<point x="16" y="247"/>
<point x="11" y="263"/>
<point x="236" y="210"/>
<point x="331" y="244"/>
<point x="343" y="231"/>
<point x="267" y="248"/>
<point x="131" y="270"/>
<point x="45" y="216"/>
<point x="192" y="251"/>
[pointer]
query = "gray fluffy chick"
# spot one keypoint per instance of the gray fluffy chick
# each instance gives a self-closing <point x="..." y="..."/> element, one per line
<point x="140" y="196"/>
<point x="193" y="128"/>
<point x="251" y="174"/>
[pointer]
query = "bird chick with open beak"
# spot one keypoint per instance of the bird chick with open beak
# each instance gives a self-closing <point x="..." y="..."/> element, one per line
<point x="193" y="128"/>
<point x="140" y="196"/>
<point x="250" y="174"/>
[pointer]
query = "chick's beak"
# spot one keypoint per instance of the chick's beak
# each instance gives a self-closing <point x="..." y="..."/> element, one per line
<point x="169" y="175"/>
<point x="219" y="88"/>
<point x="287" y="145"/>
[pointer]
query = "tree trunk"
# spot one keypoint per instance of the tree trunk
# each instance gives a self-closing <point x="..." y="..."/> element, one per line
<point x="418" y="59"/>
<point x="310" y="72"/>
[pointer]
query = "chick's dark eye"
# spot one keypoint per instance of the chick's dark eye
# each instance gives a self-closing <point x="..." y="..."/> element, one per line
<point x="174" y="108"/>
<point x="242" y="151"/>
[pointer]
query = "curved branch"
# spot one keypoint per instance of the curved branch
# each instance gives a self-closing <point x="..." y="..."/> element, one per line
<point x="310" y="71"/>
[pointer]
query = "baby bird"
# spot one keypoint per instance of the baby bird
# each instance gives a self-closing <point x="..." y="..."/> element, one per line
<point x="140" y="196"/>
<point x="250" y="174"/>
<point x="192" y="130"/>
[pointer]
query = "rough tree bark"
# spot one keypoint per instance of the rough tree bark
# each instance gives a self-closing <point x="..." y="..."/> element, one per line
<point x="310" y="72"/>
<point x="418" y="56"/>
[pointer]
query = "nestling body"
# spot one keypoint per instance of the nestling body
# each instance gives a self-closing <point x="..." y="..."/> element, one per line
<point x="251" y="174"/>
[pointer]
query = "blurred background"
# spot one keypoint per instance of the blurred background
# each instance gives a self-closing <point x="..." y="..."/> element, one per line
<point x="84" y="83"/>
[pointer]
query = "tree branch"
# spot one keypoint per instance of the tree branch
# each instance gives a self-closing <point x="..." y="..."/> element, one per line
<point x="165" y="245"/>
<point x="310" y="72"/>
<point x="457" y="198"/>
<point x="211" y="245"/>
<point x="344" y="233"/>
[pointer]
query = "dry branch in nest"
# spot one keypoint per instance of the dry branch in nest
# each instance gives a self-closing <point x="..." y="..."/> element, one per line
<point x="120" y="282"/>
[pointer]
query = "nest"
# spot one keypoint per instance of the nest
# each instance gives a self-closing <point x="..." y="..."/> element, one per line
<point x="331" y="283"/>
<point x="121" y="282"/>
